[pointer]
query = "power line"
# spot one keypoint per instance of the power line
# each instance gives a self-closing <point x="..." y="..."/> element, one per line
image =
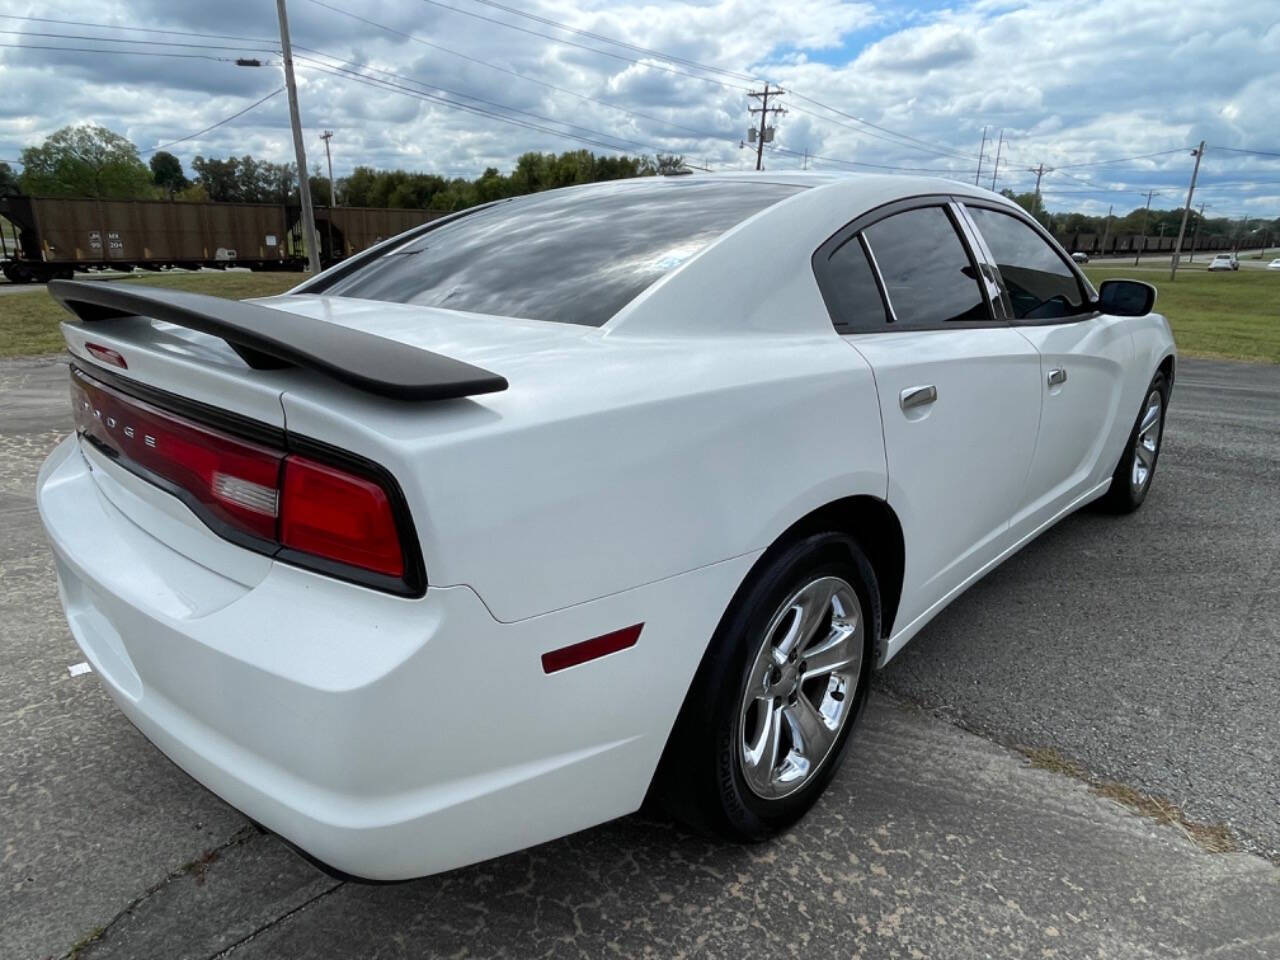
<point x="112" y="26"/>
<point x="1141" y="156"/>
<point x="868" y="134"/>
<point x="672" y="58"/>
<point x="214" y="126"/>
<point x="149" y="43"/>
<point x="118" y="53"/>
<point x="387" y="85"/>
<point x="1260" y="153"/>
<point x="939" y="151"/>
<point x="621" y="43"/>
<point x="943" y="151"/>
<point x="583" y="46"/>
<point x="864" y="163"/>
<point x="1088" y="184"/>
<point x="447" y="102"/>
<point x="514" y="73"/>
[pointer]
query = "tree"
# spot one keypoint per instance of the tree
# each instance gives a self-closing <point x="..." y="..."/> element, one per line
<point x="246" y="180"/>
<point x="669" y="163"/>
<point x="85" y="161"/>
<point x="166" y="173"/>
<point x="8" y="181"/>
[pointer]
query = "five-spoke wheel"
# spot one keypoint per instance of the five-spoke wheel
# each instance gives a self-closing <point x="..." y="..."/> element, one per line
<point x="798" y="693"/>
<point x="766" y="722"/>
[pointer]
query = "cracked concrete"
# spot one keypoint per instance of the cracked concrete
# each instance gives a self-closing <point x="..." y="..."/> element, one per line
<point x="930" y="842"/>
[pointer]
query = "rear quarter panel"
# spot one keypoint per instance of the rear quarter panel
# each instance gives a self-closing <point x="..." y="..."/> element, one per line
<point x="647" y="460"/>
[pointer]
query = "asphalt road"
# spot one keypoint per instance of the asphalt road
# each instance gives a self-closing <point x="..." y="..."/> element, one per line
<point x="1145" y="647"/>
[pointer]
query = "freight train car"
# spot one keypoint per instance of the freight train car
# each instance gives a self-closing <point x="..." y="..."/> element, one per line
<point x="1096" y="245"/>
<point x="52" y="237"/>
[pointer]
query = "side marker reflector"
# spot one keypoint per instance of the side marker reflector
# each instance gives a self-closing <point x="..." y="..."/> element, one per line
<point x="577" y="653"/>
<point x="107" y="355"/>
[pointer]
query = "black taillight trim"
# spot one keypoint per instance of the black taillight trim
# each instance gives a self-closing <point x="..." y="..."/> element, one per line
<point x="414" y="582"/>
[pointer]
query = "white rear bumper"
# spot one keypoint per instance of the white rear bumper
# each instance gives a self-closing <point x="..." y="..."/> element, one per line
<point x="388" y="737"/>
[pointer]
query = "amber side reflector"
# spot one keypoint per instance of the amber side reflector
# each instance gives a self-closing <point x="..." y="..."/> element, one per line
<point x="577" y="653"/>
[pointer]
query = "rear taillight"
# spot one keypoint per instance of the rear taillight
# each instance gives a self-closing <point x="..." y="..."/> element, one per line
<point x="329" y="513"/>
<point x="323" y="515"/>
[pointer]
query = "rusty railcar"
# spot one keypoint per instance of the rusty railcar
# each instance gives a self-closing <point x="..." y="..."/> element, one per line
<point x="54" y="236"/>
<point x="357" y="228"/>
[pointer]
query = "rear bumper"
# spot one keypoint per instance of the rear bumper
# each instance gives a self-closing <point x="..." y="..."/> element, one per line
<point x="388" y="737"/>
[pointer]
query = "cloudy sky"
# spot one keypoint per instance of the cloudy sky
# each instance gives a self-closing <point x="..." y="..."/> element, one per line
<point x="1071" y="83"/>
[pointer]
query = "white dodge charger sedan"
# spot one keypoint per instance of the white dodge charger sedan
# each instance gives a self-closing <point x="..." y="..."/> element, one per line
<point x="618" y="491"/>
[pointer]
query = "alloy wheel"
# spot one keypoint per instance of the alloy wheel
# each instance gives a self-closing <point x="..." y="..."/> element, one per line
<point x="801" y="688"/>
<point x="1148" y="442"/>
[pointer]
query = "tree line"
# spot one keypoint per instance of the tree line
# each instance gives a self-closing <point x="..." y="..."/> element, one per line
<point x="1154" y="222"/>
<point x="91" y="161"/>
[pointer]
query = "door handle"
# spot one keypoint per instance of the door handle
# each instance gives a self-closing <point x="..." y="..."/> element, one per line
<point x="1056" y="376"/>
<point x="917" y="396"/>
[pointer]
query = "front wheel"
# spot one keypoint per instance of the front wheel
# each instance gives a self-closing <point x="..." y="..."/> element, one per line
<point x="767" y="720"/>
<point x="1137" y="468"/>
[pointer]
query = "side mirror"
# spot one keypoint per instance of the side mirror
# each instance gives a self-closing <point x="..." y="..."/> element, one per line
<point x="1126" y="298"/>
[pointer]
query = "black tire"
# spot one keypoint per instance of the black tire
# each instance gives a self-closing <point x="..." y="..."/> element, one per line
<point x="1124" y="495"/>
<point x="700" y="781"/>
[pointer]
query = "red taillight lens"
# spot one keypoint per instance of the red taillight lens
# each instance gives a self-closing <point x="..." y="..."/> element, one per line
<point x="305" y="511"/>
<point x="234" y="482"/>
<point x="330" y="513"/>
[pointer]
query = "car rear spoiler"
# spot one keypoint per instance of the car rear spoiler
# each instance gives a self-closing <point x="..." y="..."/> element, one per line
<point x="272" y="339"/>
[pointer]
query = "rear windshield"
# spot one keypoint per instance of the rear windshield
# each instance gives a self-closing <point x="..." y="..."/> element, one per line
<point x="573" y="256"/>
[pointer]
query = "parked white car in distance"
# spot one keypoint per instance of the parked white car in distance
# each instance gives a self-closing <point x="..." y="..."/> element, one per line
<point x="486" y="534"/>
<point x="1224" y="261"/>
<point x="1080" y="257"/>
<point x="1274" y="264"/>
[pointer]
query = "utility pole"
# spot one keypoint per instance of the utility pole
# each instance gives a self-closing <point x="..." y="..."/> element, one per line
<point x="981" y="150"/>
<point x="1195" y="234"/>
<point x="999" y="148"/>
<point x="806" y="159"/>
<point x="304" y="187"/>
<point x="764" y="110"/>
<point x="1040" y="171"/>
<point x="1138" y="256"/>
<point x="1186" y="210"/>
<point x="1106" y="230"/>
<point x="326" y="137"/>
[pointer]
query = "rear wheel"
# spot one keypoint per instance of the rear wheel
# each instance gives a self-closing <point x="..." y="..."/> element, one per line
<point x="767" y="720"/>
<point x="1137" y="467"/>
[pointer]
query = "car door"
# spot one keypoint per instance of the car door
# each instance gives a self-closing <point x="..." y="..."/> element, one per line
<point x="1083" y="358"/>
<point x="958" y="389"/>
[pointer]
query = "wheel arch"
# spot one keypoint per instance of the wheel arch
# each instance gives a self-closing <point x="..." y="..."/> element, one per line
<point x="873" y="524"/>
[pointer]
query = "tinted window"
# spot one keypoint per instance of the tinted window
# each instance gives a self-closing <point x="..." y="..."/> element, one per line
<point x="1040" y="284"/>
<point x="853" y="296"/>
<point x="925" y="268"/>
<point x="575" y="256"/>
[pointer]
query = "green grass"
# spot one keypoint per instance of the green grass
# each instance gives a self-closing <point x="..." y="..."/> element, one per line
<point x="29" y="320"/>
<point x="1234" y="314"/>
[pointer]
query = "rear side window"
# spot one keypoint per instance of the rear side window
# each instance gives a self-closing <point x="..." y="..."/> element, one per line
<point x="851" y="288"/>
<point x="928" y="276"/>
<point x="572" y="256"/>
<point x="1040" y="284"/>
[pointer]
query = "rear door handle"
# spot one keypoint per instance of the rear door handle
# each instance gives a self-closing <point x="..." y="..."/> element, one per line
<point x="1056" y="376"/>
<point x="917" y="396"/>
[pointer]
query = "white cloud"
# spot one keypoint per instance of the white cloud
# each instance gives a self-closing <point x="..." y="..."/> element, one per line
<point x="1069" y="82"/>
